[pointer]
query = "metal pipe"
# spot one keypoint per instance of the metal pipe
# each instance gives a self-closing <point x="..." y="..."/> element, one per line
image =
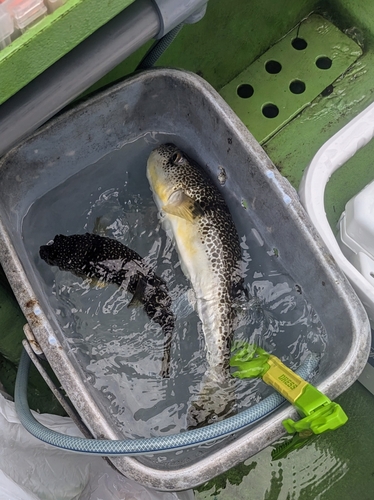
<point x="74" y="73"/>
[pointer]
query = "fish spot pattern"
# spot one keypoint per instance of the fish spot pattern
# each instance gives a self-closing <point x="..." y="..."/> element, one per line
<point x="216" y="230"/>
<point x="109" y="261"/>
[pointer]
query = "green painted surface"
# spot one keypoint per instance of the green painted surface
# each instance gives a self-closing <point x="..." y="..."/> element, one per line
<point x="293" y="147"/>
<point x="51" y="38"/>
<point x="40" y="396"/>
<point x="11" y="335"/>
<point x="340" y="465"/>
<point x="358" y="18"/>
<point x="288" y="76"/>
<point x="337" y="465"/>
<point x="228" y="39"/>
<point x="12" y="321"/>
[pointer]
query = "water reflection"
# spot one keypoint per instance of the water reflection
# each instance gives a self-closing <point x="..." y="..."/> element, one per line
<point x="337" y="465"/>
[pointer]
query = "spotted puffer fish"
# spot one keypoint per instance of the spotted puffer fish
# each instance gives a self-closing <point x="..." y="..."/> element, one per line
<point x="197" y="218"/>
<point x="105" y="260"/>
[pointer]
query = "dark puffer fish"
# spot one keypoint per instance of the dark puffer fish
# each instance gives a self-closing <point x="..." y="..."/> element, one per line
<point x="198" y="220"/>
<point x="109" y="261"/>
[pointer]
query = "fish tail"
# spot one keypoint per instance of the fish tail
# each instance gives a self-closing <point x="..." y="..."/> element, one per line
<point x="151" y="292"/>
<point x="166" y="320"/>
<point x="165" y="362"/>
<point x="215" y="401"/>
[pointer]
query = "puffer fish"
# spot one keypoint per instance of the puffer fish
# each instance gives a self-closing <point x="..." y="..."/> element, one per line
<point x="105" y="260"/>
<point x="197" y="218"/>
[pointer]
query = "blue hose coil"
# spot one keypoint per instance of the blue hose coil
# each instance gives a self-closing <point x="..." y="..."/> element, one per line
<point x="131" y="447"/>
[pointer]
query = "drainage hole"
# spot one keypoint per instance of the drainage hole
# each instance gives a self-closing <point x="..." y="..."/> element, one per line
<point x="273" y="67"/>
<point x="299" y="43"/>
<point x="245" y="91"/>
<point x="270" y="110"/>
<point x="372" y="274"/>
<point x="324" y="62"/>
<point x="327" y="91"/>
<point x="297" y="87"/>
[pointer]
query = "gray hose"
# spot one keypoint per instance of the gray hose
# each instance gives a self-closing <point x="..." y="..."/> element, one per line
<point x="146" y="445"/>
<point x="158" y="48"/>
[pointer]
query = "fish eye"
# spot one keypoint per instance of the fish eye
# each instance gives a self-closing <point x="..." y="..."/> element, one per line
<point x="177" y="157"/>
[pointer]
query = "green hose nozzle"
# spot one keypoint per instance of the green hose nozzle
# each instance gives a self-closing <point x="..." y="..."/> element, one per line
<point x="318" y="413"/>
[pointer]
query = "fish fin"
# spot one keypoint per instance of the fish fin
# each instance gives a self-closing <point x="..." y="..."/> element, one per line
<point x="182" y="205"/>
<point x="185" y="304"/>
<point x="98" y="283"/>
<point x="214" y="402"/>
<point x="165" y="363"/>
<point x="100" y="226"/>
<point x="138" y="297"/>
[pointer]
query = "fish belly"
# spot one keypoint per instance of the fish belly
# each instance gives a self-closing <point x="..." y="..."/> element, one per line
<point x="197" y="267"/>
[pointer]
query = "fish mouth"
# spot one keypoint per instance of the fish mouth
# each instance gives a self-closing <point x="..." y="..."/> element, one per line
<point x="45" y="254"/>
<point x="50" y="252"/>
<point x="163" y="152"/>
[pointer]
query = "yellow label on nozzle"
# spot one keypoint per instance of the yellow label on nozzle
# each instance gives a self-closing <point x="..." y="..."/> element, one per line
<point x="284" y="380"/>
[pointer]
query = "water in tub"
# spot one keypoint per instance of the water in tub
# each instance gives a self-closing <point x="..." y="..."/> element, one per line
<point x="119" y="348"/>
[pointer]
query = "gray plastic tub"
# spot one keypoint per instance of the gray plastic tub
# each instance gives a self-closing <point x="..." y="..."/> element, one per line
<point x="182" y="105"/>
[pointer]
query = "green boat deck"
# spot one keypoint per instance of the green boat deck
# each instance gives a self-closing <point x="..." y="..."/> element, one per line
<point x="220" y="48"/>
